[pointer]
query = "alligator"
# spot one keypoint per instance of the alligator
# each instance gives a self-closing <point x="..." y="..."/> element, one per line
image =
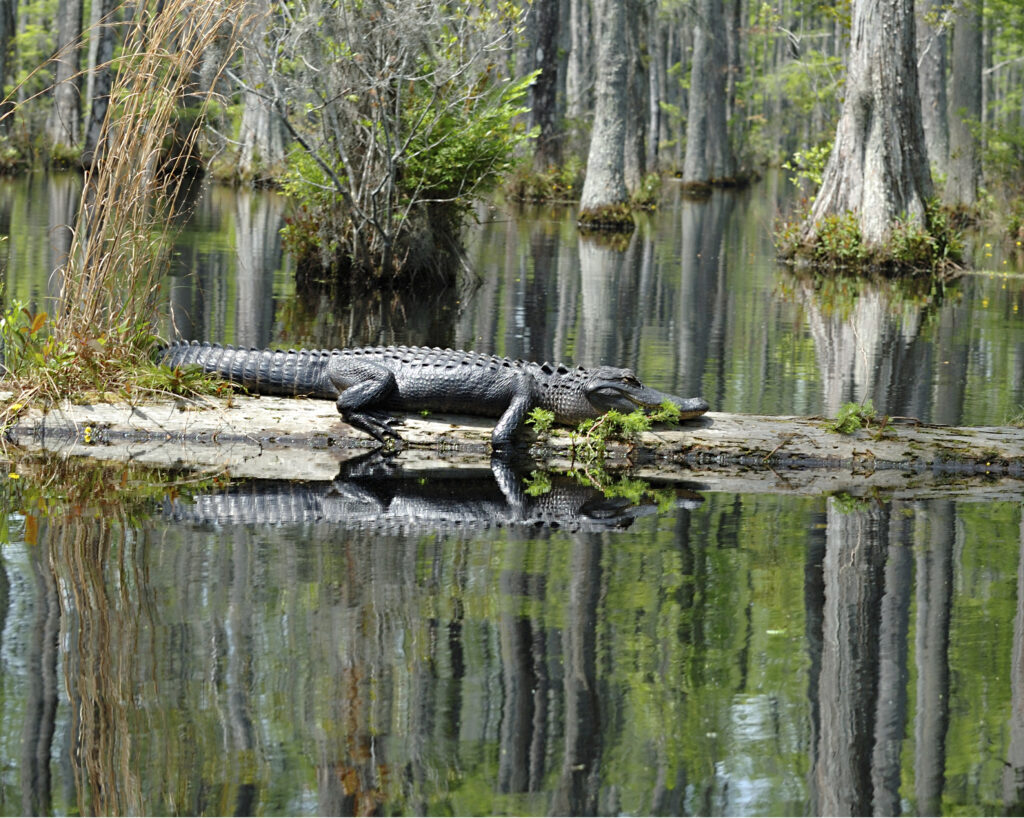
<point x="367" y="382"/>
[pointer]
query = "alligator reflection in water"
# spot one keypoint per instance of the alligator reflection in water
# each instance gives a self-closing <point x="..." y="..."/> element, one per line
<point x="371" y="495"/>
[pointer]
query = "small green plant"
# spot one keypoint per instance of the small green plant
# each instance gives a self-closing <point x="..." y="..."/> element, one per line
<point x="558" y="183"/>
<point x="645" y="197"/>
<point x="589" y="441"/>
<point x="855" y="416"/>
<point x="839" y="241"/>
<point x="617" y="218"/>
<point x="538" y="483"/>
<point x="1017" y="418"/>
<point x="846" y="503"/>
<point x="541" y="420"/>
<point x="809" y="165"/>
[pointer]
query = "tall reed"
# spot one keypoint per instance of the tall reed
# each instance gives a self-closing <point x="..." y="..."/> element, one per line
<point x="173" y="55"/>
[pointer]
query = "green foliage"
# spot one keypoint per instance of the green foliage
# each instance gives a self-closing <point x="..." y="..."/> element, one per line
<point x="846" y="503"/>
<point x="391" y="145"/>
<point x="793" y="91"/>
<point x="839" y="240"/>
<point x="645" y="197"/>
<point x="589" y="441"/>
<point x="43" y="363"/>
<point x="933" y="247"/>
<point x="538" y="483"/>
<point x="555" y="184"/>
<point x="456" y="151"/>
<point x="809" y="165"/>
<point x="1017" y="418"/>
<point x="541" y="420"/>
<point x="612" y="218"/>
<point x="853" y="417"/>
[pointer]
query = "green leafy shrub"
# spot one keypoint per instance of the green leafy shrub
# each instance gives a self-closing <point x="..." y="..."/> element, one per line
<point x="809" y="166"/>
<point x="413" y="120"/>
<point x="839" y="240"/>
<point x="556" y="183"/>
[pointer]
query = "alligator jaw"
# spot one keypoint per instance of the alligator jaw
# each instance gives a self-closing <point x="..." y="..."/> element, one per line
<point x="688" y="407"/>
<point x="644" y="397"/>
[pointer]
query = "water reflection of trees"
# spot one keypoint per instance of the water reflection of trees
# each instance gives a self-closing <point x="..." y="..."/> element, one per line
<point x="871" y="341"/>
<point x="674" y="667"/>
<point x="859" y="687"/>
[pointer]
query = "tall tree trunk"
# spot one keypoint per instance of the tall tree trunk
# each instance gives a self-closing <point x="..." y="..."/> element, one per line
<point x="655" y="93"/>
<point x="878" y="169"/>
<point x="931" y="70"/>
<point x="604" y="188"/>
<point x="708" y="154"/>
<point x="579" y="72"/>
<point x="965" y="105"/>
<point x="733" y="55"/>
<point x="261" y="134"/>
<point x="8" y="28"/>
<point x="101" y="51"/>
<point x="543" y="94"/>
<point x="638" y="110"/>
<point x="62" y="125"/>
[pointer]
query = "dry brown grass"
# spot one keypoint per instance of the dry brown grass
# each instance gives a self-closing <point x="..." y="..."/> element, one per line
<point x="166" y="74"/>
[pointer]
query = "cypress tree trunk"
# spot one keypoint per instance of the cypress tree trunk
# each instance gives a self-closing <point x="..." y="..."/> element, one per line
<point x="8" y="28"/>
<point x="638" y="113"/>
<point x="101" y="50"/>
<point x="708" y="154"/>
<point x="965" y="105"/>
<point x="579" y="70"/>
<point x="62" y="125"/>
<point x="261" y="133"/>
<point x="604" y="201"/>
<point x="931" y="68"/>
<point x="543" y="94"/>
<point x="878" y="169"/>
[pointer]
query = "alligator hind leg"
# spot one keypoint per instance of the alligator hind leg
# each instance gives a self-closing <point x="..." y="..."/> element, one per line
<point x="359" y="406"/>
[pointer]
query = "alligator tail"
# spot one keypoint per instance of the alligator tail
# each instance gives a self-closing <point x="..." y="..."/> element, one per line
<point x="266" y="371"/>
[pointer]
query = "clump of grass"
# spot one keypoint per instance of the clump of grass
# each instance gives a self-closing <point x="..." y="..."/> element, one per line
<point x="558" y="183"/>
<point x="589" y="442"/>
<point x="855" y="416"/>
<point x="102" y="338"/>
<point x="935" y="247"/>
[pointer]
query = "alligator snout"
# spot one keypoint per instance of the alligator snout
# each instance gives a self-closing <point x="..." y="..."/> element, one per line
<point x="690" y="407"/>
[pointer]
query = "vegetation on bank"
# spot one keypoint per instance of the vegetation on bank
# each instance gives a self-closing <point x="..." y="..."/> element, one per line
<point x="101" y="340"/>
<point x="934" y="247"/>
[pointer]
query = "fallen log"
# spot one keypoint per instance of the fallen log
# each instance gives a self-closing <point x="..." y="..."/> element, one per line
<point x="289" y="438"/>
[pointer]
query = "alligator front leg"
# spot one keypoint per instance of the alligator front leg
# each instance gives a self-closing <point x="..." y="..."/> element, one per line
<point x="357" y="404"/>
<point x="510" y="422"/>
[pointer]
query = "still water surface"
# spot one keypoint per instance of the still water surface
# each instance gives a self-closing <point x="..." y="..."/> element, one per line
<point x="387" y="646"/>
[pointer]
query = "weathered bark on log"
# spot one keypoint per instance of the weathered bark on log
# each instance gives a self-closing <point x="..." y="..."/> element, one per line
<point x="289" y="438"/>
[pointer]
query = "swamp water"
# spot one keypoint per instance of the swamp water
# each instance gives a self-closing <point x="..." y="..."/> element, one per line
<point x="175" y="645"/>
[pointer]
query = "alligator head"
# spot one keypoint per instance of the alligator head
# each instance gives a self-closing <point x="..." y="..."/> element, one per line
<point x="612" y="388"/>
